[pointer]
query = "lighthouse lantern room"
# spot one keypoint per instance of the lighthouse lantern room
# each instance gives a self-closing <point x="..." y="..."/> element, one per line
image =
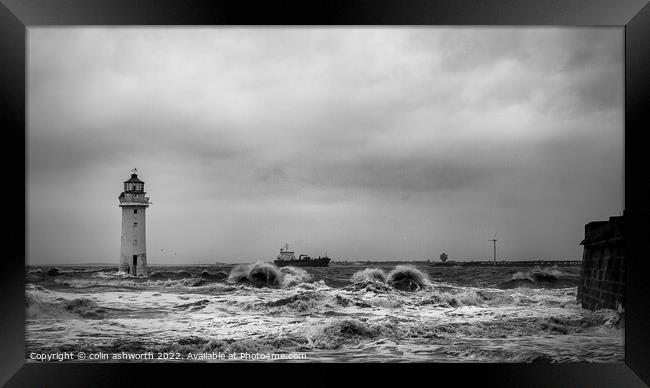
<point x="134" y="203"/>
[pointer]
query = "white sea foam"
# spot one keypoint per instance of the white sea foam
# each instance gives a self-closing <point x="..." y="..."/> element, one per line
<point x="292" y="312"/>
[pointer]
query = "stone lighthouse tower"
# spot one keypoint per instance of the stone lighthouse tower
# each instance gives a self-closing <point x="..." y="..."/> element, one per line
<point x="133" y="254"/>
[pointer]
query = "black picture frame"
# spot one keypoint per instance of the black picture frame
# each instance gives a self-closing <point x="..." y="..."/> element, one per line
<point x="634" y="15"/>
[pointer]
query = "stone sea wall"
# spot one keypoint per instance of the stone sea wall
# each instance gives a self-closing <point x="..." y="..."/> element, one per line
<point x="602" y="278"/>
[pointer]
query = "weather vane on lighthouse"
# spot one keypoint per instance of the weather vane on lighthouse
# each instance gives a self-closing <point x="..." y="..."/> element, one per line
<point x="133" y="253"/>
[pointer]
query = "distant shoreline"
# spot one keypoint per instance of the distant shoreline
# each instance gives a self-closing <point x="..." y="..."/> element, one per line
<point x="482" y="263"/>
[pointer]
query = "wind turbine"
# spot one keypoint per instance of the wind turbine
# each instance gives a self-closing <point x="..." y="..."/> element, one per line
<point x="494" y="243"/>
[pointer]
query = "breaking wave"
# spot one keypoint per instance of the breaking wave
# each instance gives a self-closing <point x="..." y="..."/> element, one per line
<point x="221" y="275"/>
<point x="39" y="303"/>
<point x="407" y="278"/>
<point x="519" y="326"/>
<point x="268" y="275"/>
<point x="293" y="276"/>
<point x="302" y="302"/>
<point x="460" y="297"/>
<point x="351" y="332"/>
<point x="369" y="275"/>
<point x="402" y="277"/>
<point x="312" y="301"/>
<point x="54" y="271"/>
<point x="539" y="277"/>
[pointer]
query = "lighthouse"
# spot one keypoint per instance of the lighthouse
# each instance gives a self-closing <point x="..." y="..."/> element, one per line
<point x="133" y="254"/>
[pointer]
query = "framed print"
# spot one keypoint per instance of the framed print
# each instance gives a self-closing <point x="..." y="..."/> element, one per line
<point x="372" y="189"/>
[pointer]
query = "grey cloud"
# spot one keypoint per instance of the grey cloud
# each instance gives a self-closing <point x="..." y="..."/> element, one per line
<point x="404" y="174"/>
<point x="378" y="131"/>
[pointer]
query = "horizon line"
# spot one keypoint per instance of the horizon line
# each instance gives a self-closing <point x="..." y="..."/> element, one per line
<point x="334" y="261"/>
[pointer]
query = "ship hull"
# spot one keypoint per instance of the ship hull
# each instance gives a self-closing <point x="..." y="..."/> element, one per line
<point x="303" y="263"/>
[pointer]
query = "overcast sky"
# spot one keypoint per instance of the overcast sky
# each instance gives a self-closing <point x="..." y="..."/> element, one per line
<point x="367" y="143"/>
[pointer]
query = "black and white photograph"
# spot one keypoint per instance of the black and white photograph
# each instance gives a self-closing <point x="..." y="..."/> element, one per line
<point x="325" y="194"/>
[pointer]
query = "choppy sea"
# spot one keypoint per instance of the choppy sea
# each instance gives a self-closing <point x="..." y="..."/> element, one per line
<point x="359" y="312"/>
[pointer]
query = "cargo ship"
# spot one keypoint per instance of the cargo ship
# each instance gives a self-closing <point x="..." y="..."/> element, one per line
<point x="288" y="258"/>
